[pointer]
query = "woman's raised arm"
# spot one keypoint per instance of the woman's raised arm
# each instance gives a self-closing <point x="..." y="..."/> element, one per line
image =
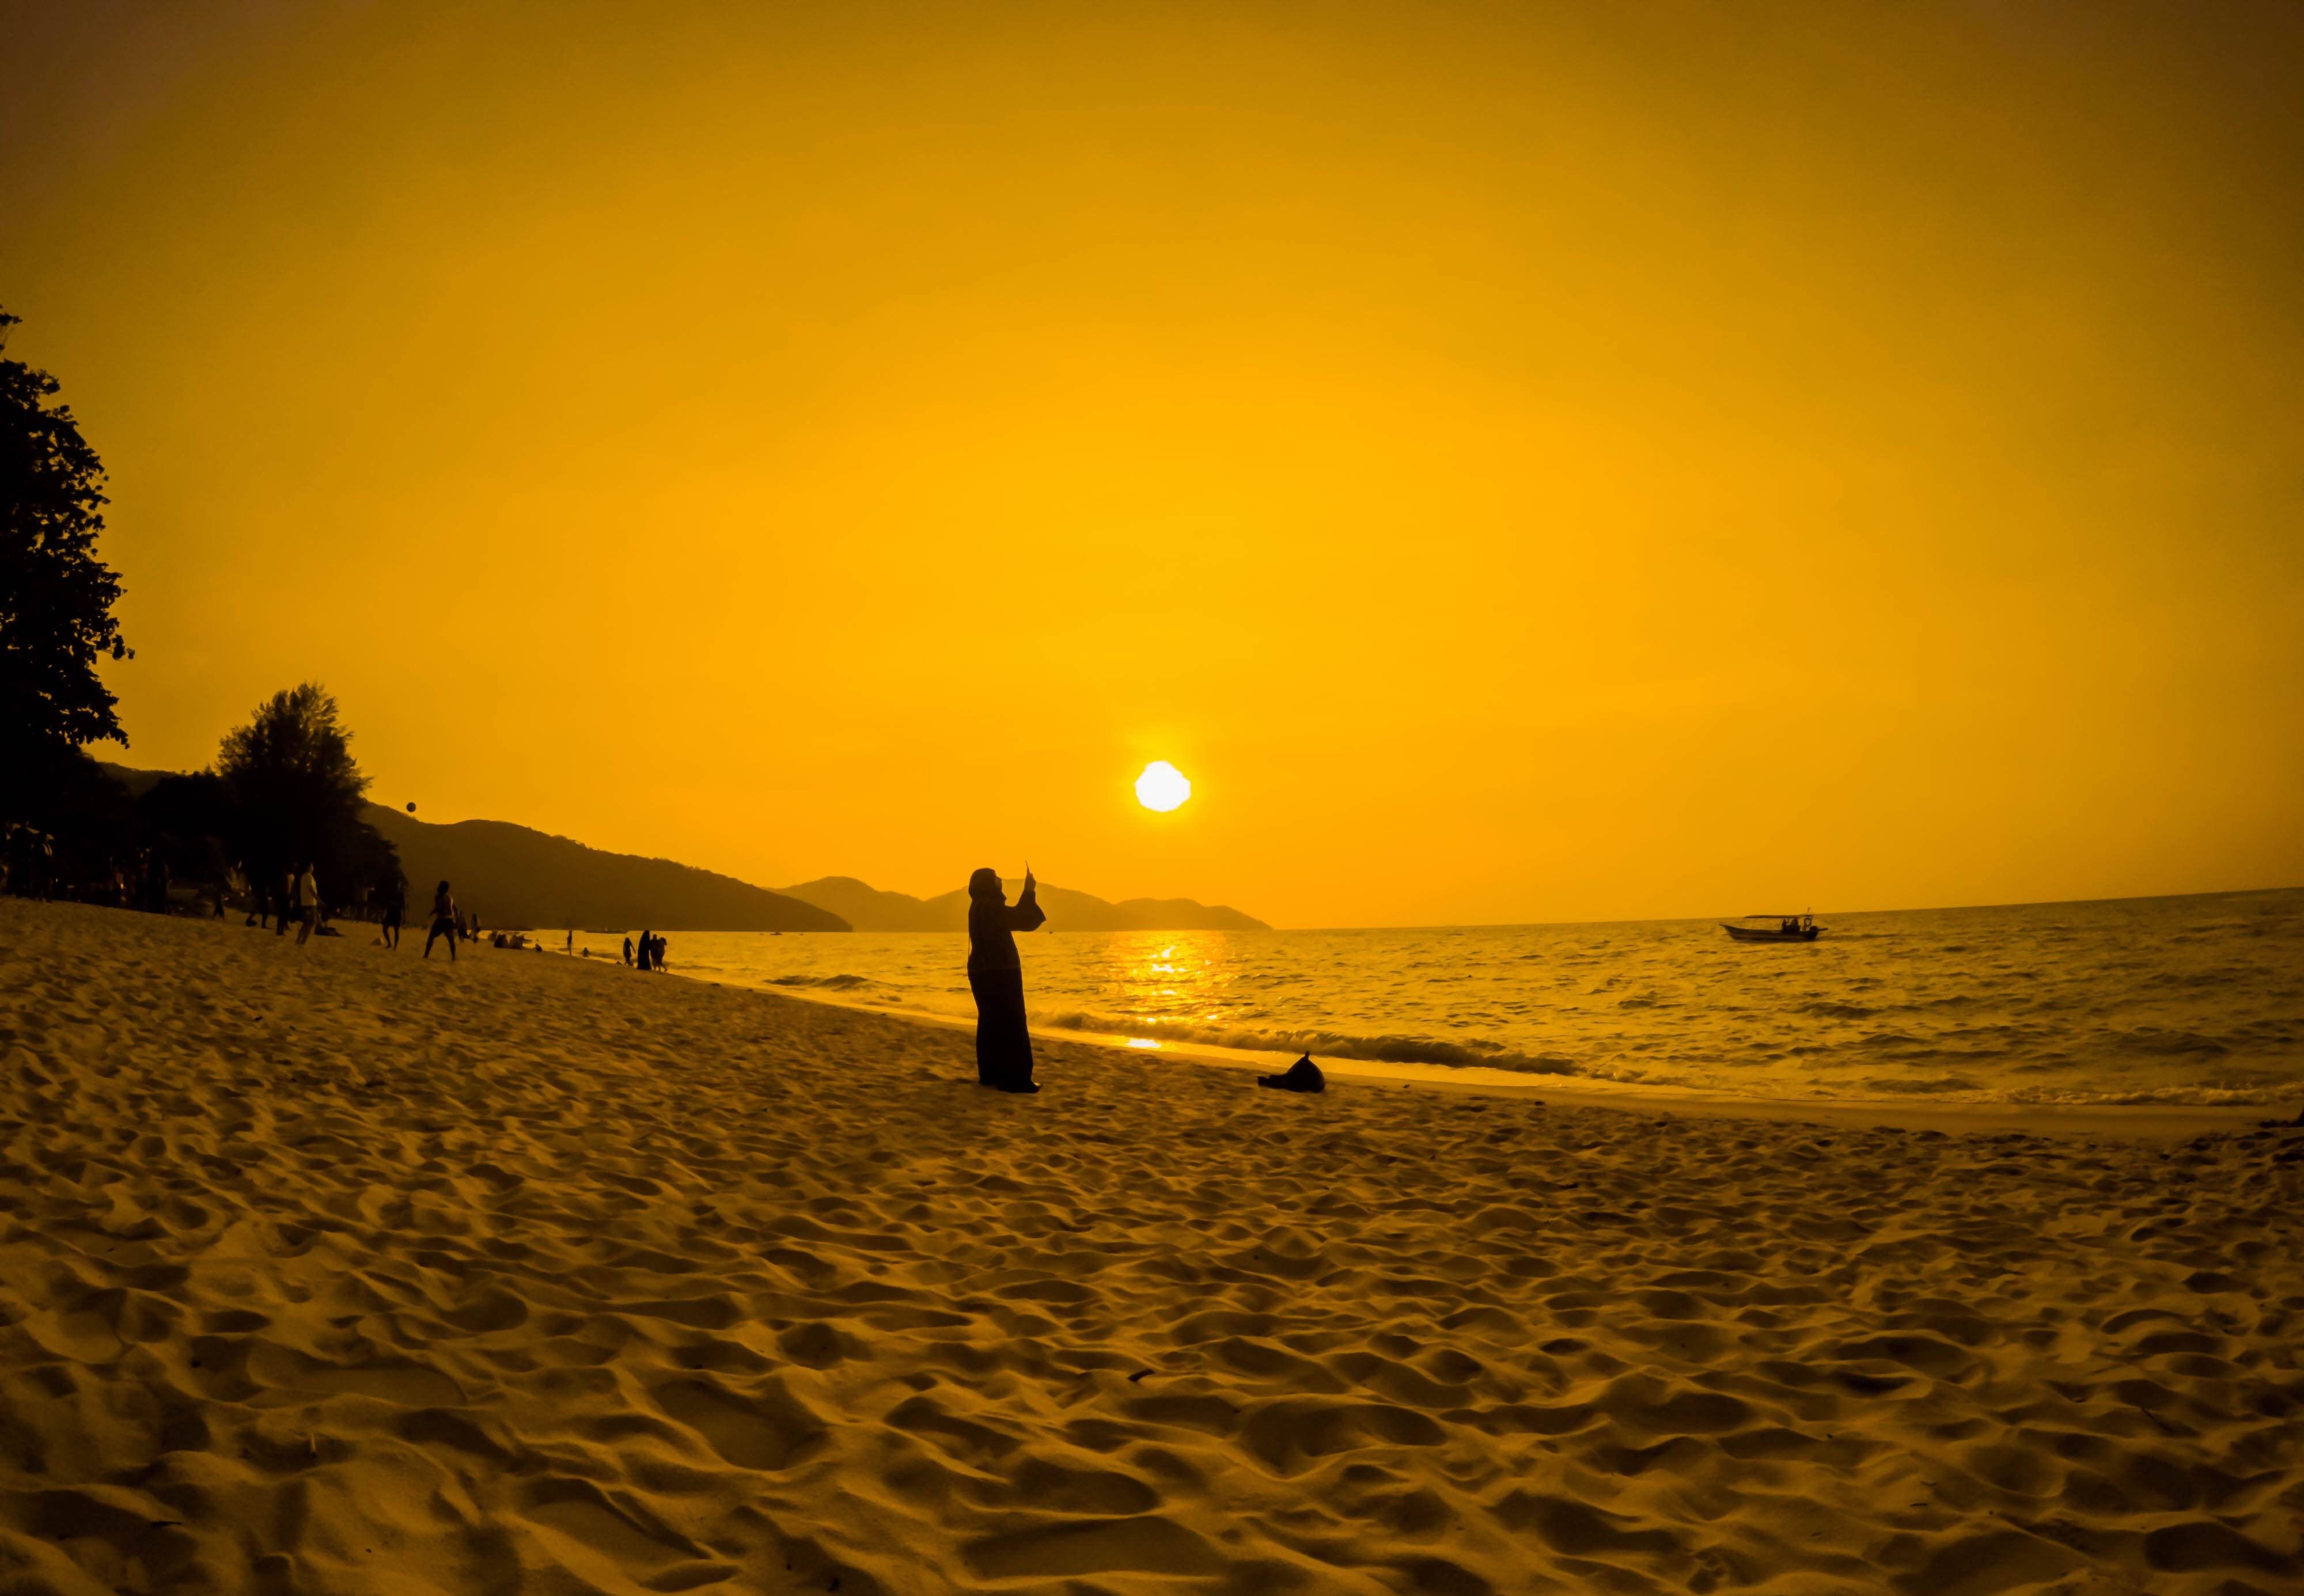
<point x="1026" y="915"/>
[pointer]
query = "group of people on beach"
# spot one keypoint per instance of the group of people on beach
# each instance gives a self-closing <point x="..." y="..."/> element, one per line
<point x="139" y="878"/>
<point x="296" y="897"/>
<point x="301" y="899"/>
<point x="448" y="920"/>
<point x="298" y="900"/>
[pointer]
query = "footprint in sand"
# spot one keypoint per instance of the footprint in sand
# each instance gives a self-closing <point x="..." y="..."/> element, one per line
<point x="388" y="1380"/>
<point x="770" y="1430"/>
<point x="612" y="1543"/>
<point x="1139" y="1545"/>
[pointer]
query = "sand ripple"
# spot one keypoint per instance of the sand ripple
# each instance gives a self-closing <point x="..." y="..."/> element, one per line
<point x="326" y="1272"/>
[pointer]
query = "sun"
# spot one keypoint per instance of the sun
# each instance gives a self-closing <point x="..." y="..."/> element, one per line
<point x="1162" y="787"/>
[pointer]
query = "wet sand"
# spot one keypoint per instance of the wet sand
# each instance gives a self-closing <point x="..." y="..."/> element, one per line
<point x="2157" y="1122"/>
<point x="330" y="1270"/>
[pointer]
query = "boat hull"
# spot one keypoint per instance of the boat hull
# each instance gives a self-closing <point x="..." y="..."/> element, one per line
<point x="1748" y="933"/>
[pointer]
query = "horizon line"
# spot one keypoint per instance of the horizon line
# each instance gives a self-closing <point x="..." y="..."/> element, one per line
<point x="1412" y="925"/>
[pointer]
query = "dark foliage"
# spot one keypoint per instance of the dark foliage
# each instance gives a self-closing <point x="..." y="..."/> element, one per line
<point x="67" y="809"/>
<point x="353" y="862"/>
<point x="295" y="788"/>
<point x="188" y="820"/>
<point x="291" y="793"/>
<point x="286" y="791"/>
<point x="55" y="595"/>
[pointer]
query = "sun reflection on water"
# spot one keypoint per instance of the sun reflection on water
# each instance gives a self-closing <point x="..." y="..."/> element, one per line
<point x="1163" y="978"/>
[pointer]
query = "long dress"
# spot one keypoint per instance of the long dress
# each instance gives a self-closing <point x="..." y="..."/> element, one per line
<point x="1003" y="1042"/>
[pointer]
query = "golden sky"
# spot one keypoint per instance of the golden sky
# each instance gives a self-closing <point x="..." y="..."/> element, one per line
<point x="1519" y="462"/>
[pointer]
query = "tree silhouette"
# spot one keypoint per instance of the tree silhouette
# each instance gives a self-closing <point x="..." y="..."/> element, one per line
<point x="189" y="820"/>
<point x="55" y="595"/>
<point x="294" y="785"/>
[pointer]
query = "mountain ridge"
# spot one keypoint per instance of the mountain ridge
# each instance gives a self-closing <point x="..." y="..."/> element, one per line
<point x="514" y="874"/>
<point x="517" y="875"/>
<point x="866" y="908"/>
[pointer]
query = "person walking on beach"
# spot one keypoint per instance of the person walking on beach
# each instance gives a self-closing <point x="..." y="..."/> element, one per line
<point x="443" y="922"/>
<point x="1003" y="1042"/>
<point x="306" y="896"/>
<point x="628" y="951"/>
<point x="648" y="950"/>
<point x="395" y="904"/>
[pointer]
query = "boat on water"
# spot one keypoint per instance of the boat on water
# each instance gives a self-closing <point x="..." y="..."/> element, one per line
<point x="1773" y="928"/>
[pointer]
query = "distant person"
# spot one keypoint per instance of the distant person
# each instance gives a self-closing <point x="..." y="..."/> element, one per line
<point x="443" y="922"/>
<point x="477" y="932"/>
<point x="657" y="963"/>
<point x="1003" y="1042"/>
<point x="1302" y="1075"/>
<point x="304" y="895"/>
<point x="282" y="892"/>
<point x="628" y="951"/>
<point x="395" y="904"/>
<point x="648" y="948"/>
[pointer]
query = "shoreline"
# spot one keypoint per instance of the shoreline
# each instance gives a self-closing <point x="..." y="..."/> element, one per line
<point x="2143" y="1121"/>
<point x="2149" y="1122"/>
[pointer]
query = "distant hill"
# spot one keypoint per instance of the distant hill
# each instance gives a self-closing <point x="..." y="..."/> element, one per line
<point x="138" y="782"/>
<point x="512" y="875"/>
<point x="870" y="908"/>
<point x="515" y="876"/>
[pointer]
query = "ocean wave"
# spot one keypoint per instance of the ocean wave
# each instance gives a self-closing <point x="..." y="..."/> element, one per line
<point x="2157" y="1042"/>
<point x="830" y="983"/>
<point x="2154" y="1097"/>
<point x="1331" y="1045"/>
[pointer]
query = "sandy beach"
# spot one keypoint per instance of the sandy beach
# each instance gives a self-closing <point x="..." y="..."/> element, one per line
<point x="327" y="1270"/>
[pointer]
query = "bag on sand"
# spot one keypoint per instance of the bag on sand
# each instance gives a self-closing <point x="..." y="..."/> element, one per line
<point x="1304" y="1075"/>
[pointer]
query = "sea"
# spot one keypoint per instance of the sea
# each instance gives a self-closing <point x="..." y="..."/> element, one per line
<point x="2173" y="1000"/>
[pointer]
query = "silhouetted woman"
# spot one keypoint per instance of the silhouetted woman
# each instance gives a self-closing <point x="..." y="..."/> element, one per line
<point x="1003" y="1044"/>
